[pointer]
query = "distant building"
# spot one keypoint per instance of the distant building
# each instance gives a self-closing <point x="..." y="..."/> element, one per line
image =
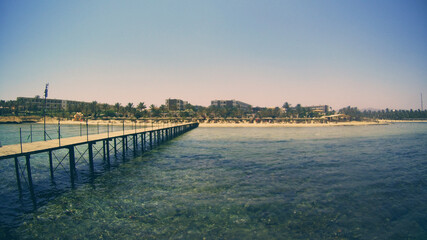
<point x="230" y="103"/>
<point x="322" y="109"/>
<point x="37" y="103"/>
<point x="175" y="104"/>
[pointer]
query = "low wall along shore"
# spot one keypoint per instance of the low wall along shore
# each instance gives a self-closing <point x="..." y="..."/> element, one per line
<point x="20" y="119"/>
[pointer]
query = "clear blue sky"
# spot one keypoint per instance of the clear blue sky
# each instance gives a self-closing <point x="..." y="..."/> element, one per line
<point x="340" y="53"/>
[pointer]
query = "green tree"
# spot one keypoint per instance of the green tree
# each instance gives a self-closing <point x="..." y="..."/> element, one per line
<point x="299" y="110"/>
<point x="286" y="106"/>
<point x="94" y="108"/>
<point x="130" y="110"/>
<point x="117" y="107"/>
<point x="141" y="106"/>
<point x="154" y="111"/>
<point x="353" y="112"/>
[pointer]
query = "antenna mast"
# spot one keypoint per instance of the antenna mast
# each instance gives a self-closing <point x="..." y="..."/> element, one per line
<point x="422" y="102"/>
<point x="44" y="111"/>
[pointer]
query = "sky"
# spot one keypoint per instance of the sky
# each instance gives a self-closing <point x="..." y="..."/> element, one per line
<point x="365" y="54"/>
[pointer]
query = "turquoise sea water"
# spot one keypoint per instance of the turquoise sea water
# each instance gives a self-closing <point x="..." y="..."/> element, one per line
<point x="364" y="182"/>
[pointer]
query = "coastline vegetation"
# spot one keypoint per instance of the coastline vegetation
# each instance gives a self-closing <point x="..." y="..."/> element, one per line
<point x="95" y="110"/>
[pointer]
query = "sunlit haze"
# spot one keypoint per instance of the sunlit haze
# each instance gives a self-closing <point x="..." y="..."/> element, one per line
<point x="367" y="54"/>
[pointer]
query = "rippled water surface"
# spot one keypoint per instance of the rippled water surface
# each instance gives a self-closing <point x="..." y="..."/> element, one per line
<point x="362" y="182"/>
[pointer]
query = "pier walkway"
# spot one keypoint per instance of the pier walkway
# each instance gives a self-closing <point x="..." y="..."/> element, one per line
<point x="11" y="151"/>
<point x="140" y="140"/>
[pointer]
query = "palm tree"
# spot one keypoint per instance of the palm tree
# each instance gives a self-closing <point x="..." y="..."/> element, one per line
<point x="141" y="106"/>
<point x="288" y="109"/>
<point x="94" y="108"/>
<point x="117" y="106"/>
<point x="154" y="111"/>
<point x="104" y="107"/>
<point x="129" y="106"/>
<point x="299" y="109"/>
<point x="130" y="109"/>
<point x="162" y="108"/>
<point x="286" y="106"/>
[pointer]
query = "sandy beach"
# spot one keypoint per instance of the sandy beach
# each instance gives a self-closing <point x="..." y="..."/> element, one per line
<point x="108" y="122"/>
<point x="353" y="123"/>
<point x="209" y="125"/>
<point x="217" y="125"/>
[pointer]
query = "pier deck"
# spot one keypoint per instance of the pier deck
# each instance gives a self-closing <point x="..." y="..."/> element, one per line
<point x="11" y="151"/>
<point x="143" y="140"/>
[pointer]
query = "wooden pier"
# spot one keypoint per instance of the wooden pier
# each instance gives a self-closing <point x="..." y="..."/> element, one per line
<point x="113" y="143"/>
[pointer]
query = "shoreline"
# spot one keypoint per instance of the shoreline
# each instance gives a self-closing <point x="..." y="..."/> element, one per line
<point x="15" y="120"/>
<point x="285" y="125"/>
<point x="220" y="125"/>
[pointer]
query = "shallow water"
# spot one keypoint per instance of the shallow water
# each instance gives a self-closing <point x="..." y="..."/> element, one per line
<point x="361" y="182"/>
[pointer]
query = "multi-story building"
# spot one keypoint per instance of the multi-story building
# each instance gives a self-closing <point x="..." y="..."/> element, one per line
<point x="175" y="104"/>
<point x="37" y="103"/>
<point x="230" y="103"/>
<point x="322" y="109"/>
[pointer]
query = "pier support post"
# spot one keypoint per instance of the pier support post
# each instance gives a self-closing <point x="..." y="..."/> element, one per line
<point x="163" y="136"/>
<point x="126" y="143"/>
<point x="107" y="143"/>
<point x="151" y="140"/>
<point x="30" y="179"/>
<point x="18" y="175"/>
<point x="124" y="147"/>
<point x="91" y="168"/>
<point x="51" y="164"/>
<point x="142" y="142"/>
<point x="115" y="148"/>
<point x="72" y="164"/>
<point x="134" y="144"/>
<point x="103" y="151"/>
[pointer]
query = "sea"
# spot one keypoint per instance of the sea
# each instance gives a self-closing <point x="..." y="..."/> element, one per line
<point x="342" y="182"/>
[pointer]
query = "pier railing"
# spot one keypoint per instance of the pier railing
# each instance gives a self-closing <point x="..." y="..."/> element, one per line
<point x="83" y="150"/>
